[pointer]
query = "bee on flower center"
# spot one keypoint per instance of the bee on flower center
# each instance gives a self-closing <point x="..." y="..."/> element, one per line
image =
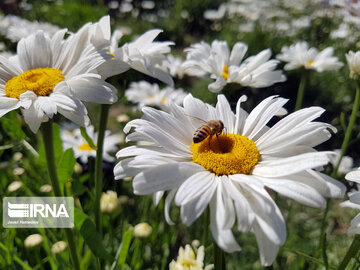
<point x="212" y="127"/>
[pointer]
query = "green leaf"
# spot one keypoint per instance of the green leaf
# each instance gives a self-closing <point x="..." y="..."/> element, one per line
<point x="87" y="138"/>
<point x="92" y="238"/>
<point x="66" y="166"/>
<point x="11" y="125"/>
<point x="309" y="258"/>
<point x="123" y="250"/>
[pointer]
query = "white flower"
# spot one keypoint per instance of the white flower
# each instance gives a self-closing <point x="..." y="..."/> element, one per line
<point x="14" y="186"/>
<point x="188" y="260"/>
<point x="33" y="240"/>
<point x="230" y="172"/>
<point x="145" y="93"/>
<point x="16" y="28"/>
<point x="174" y="66"/>
<point x="109" y="202"/>
<point x="256" y="71"/>
<point x="215" y="14"/>
<point x="144" y="54"/>
<point x="353" y="202"/>
<point x="346" y="164"/>
<point x="58" y="247"/>
<point x="82" y="150"/>
<point x="46" y="188"/>
<point x="300" y="55"/>
<point x="142" y="230"/>
<point x="18" y="171"/>
<point x="53" y="75"/>
<point x="353" y="60"/>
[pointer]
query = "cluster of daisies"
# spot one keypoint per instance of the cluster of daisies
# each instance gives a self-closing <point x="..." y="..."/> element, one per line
<point x="286" y="18"/>
<point x="230" y="173"/>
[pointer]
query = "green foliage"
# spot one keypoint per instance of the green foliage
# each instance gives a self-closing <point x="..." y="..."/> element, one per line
<point x="87" y="229"/>
<point x="70" y="14"/>
<point x="66" y="166"/>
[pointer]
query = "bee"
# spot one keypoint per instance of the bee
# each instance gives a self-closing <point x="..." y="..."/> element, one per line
<point x="213" y="127"/>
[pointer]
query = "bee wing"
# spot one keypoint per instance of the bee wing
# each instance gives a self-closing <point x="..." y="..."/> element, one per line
<point x="202" y="120"/>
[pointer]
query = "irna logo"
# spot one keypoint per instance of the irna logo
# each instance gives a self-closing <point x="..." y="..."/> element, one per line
<point x="21" y="210"/>
<point x="38" y="212"/>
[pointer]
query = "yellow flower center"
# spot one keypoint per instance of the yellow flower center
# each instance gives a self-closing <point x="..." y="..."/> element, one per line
<point x="41" y="81"/>
<point x="163" y="100"/>
<point x="85" y="147"/>
<point x="309" y="63"/>
<point x="225" y="72"/>
<point x="227" y="154"/>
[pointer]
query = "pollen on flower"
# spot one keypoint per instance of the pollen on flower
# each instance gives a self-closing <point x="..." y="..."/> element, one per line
<point x="41" y="81"/>
<point x="85" y="147"/>
<point x="227" y="154"/>
<point x="163" y="100"/>
<point x="310" y="63"/>
<point x="225" y="73"/>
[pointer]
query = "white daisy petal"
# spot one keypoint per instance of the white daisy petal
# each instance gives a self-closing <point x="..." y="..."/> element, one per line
<point x="355" y="198"/>
<point x="157" y="196"/>
<point x="192" y="210"/>
<point x="194" y="187"/>
<point x="47" y="106"/>
<point x="267" y="249"/>
<point x="291" y="165"/>
<point x="224" y="238"/>
<point x="267" y="214"/>
<point x="353" y="176"/>
<point x="297" y="191"/>
<point x="157" y="179"/>
<point x="224" y="112"/>
<point x="34" y="51"/>
<point x="8" y="104"/>
<point x="33" y="116"/>
<point x="168" y="201"/>
<point x="91" y="89"/>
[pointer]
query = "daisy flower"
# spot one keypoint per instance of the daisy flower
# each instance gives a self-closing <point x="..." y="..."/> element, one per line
<point x="16" y="28"/>
<point x="230" y="172"/>
<point x="82" y="150"/>
<point x="189" y="260"/>
<point x="225" y="67"/>
<point x="300" y="55"/>
<point x="174" y="66"/>
<point x="144" y="93"/>
<point x="54" y="75"/>
<point x="353" y="202"/>
<point x="353" y="60"/>
<point x="144" y="54"/>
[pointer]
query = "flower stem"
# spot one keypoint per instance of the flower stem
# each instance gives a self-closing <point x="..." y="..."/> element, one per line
<point x="349" y="129"/>
<point x="47" y="134"/>
<point x="300" y="93"/>
<point x="352" y="251"/>
<point x="219" y="258"/>
<point x="206" y="226"/>
<point x="104" y="112"/>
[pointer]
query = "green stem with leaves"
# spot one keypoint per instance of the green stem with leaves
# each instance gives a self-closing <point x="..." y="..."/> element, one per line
<point x="352" y="251"/>
<point x="301" y="91"/>
<point x="47" y="133"/>
<point x="104" y="112"/>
